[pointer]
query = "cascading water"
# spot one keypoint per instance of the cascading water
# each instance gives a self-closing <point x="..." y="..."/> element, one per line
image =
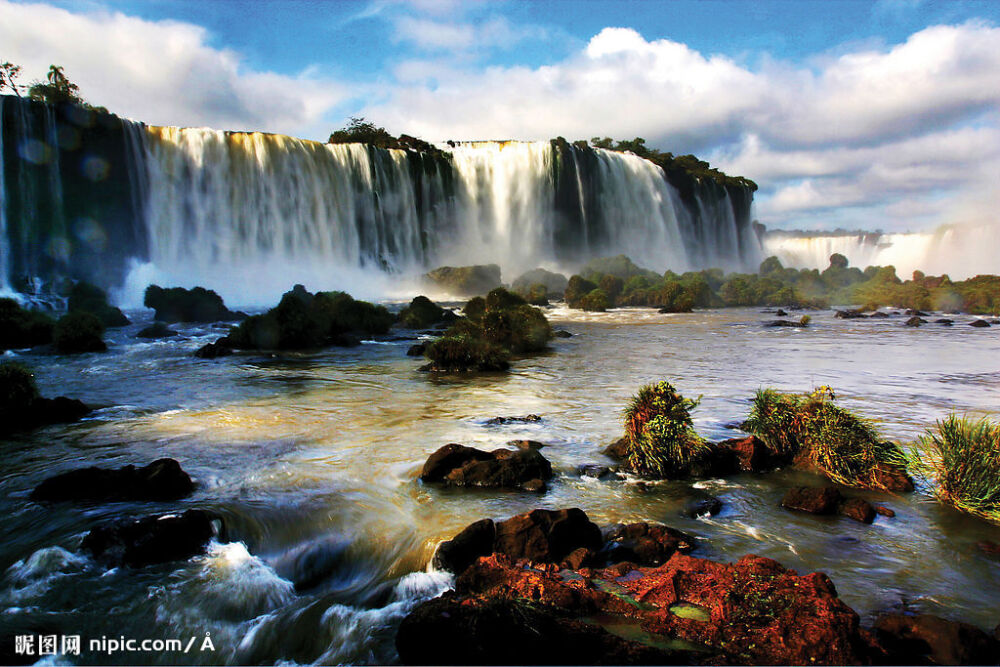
<point x="249" y="214"/>
<point x="961" y="251"/>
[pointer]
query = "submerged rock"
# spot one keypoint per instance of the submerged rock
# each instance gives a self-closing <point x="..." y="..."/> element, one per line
<point x="458" y="465"/>
<point x="914" y="322"/>
<point x="849" y="314"/>
<point x="22" y="408"/>
<point x="162" y="479"/>
<point x="150" y="540"/>
<point x="562" y="333"/>
<point x="499" y="421"/>
<point x="704" y="507"/>
<point x="979" y="323"/>
<point x="214" y="350"/>
<point x="156" y="330"/>
<point x="828" y="500"/>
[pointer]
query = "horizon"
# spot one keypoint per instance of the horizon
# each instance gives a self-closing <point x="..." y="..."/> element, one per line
<point x="848" y="115"/>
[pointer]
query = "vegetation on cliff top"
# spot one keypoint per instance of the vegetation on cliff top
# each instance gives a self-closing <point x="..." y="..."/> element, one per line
<point x="361" y="131"/>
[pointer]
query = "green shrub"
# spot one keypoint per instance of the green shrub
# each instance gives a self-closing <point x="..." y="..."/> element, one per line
<point x="596" y="301"/>
<point x="17" y="386"/>
<point x="577" y="288"/>
<point x="79" y="332"/>
<point x="538" y="295"/>
<point x="522" y="328"/>
<point x="464" y="352"/>
<point x="21" y="328"/>
<point x="660" y="440"/>
<point x="844" y="447"/>
<point x="963" y="458"/>
<point x="423" y="313"/>
<point x="91" y="299"/>
<point x="475" y="308"/>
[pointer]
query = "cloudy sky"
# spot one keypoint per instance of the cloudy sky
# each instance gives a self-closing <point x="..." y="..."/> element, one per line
<point x="861" y="115"/>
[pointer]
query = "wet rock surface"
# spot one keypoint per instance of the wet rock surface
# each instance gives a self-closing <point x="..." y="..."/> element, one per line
<point x="150" y="540"/>
<point x="924" y="639"/>
<point x="458" y="465"/>
<point x="828" y="501"/>
<point x="162" y="479"/>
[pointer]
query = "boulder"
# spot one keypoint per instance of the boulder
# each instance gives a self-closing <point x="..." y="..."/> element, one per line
<point x="645" y="544"/>
<point x="541" y="536"/>
<point x="162" y="479"/>
<point x="752" y="454"/>
<point x="417" y="349"/>
<point x="594" y="470"/>
<point x="704" y="507"/>
<point x="878" y="314"/>
<point x="915" y="313"/>
<point x="87" y="298"/>
<point x="893" y="478"/>
<point x="79" y="332"/>
<point x="885" y="511"/>
<point x="150" y="540"/>
<point x="945" y="321"/>
<point x="22" y="408"/>
<point x="176" y="304"/>
<point x="979" y="323"/>
<point x="914" y="322"/>
<point x="555" y="283"/>
<point x="849" y="314"/>
<point x="156" y="330"/>
<point x="813" y="500"/>
<point x="617" y="449"/>
<point x="21" y="328"/>
<point x="214" y="350"/>
<point x="858" y="509"/>
<point x="499" y="421"/>
<point x="423" y="313"/>
<point x="465" y="280"/>
<point x="458" y="465"/>
<point x="926" y="639"/>
<point x="562" y="333"/>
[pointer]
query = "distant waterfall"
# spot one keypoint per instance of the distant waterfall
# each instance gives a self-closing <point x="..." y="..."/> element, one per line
<point x="961" y="251"/>
<point x="91" y="196"/>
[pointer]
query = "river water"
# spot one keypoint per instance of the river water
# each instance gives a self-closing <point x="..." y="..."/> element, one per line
<point x="312" y="461"/>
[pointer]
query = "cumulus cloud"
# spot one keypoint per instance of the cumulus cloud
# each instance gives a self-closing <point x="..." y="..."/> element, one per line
<point x="161" y="72"/>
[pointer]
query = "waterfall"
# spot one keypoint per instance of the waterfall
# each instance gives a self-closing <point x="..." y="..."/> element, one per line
<point x="91" y="196"/>
<point x="961" y="251"/>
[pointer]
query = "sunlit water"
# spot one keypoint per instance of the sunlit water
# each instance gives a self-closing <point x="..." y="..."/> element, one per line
<point x="313" y="460"/>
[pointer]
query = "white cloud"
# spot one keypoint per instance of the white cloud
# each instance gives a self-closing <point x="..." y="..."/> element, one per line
<point x="479" y="35"/>
<point x="161" y="72"/>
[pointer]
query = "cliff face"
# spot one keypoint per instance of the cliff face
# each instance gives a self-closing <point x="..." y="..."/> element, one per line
<point x="87" y="195"/>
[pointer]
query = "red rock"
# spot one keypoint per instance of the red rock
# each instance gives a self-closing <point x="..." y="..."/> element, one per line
<point x="885" y="511"/>
<point x="458" y="465"/>
<point x="815" y="501"/>
<point x="617" y="449"/>
<point x="917" y="639"/>
<point x="752" y="454"/>
<point x="988" y="547"/>
<point x="649" y="544"/>
<point x="893" y="478"/>
<point x="858" y="509"/>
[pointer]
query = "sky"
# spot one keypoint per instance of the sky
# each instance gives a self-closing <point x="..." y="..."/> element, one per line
<point x="880" y="115"/>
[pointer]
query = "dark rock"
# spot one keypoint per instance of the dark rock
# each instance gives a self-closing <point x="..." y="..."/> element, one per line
<point x="88" y="298"/>
<point x="979" y="323"/>
<point x="705" y="507"/>
<point x="893" y="478"/>
<point x="21" y="328"/>
<point x="915" y="313"/>
<point x="781" y="313"/>
<point x="79" y="332"/>
<point x="527" y="419"/>
<point x="451" y="630"/>
<point x="752" y="455"/>
<point x="578" y="558"/>
<point x="878" y="314"/>
<point x="160" y="480"/>
<point x="994" y="321"/>
<point x="42" y="412"/>
<point x="562" y="333"/>
<point x="457" y="465"/>
<point x="617" y="449"/>
<point x="594" y="470"/>
<point x="423" y="313"/>
<point x="914" y="322"/>
<point x="310" y="565"/>
<point x="150" y="540"/>
<point x="542" y="536"/>
<point x="885" y="511"/>
<point x="466" y="280"/>
<point x="156" y="330"/>
<point x="213" y="350"/>
<point x="858" y="509"/>
<point x="849" y="314"/>
<point x="645" y="544"/>
<point x="532" y="445"/>
<point x="813" y="500"/>
<point x="535" y="486"/>
<point x="945" y="321"/>
<point x="176" y="304"/>
<point x="926" y="639"/>
<point x="417" y="350"/>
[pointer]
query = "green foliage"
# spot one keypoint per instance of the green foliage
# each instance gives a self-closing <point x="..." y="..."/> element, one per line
<point x="17" y="386"/>
<point x="77" y="332"/>
<point x="596" y="301"/>
<point x="576" y="289"/>
<point x="841" y="445"/>
<point x="500" y="299"/>
<point x="91" y="299"/>
<point x="9" y="73"/>
<point x="620" y="266"/>
<point x="477" y="279"/>
<point x="463" y="351"/>
<point x="538" y="295"/>
<point x="770" y="265"/>
<point x="422" y="313"/>
<point x="611" y="286"/>
<point x="20" y="328"/>
<point x="659" y="434"/>
<point x="475" y="308"/>
<point x="555" y="283"/>
<point x="58" y="89"/>
<point x="361" y="131"/>
<point x="963" y="457"/>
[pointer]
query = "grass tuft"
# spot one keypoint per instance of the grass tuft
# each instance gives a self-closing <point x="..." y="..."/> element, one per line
<point x="660" y="436"/>
<point x="963" y="457"/>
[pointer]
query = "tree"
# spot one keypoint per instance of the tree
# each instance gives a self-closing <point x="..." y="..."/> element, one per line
<point x="8" y="76"/>
<point x="58" y="90"/>
<point x="362" y="131"/>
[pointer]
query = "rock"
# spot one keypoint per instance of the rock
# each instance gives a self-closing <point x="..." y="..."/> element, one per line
<point x="535" y="486"/>
<point x="705" y="507"/>
<point x="554" y="283"/>
<point x="995" y="320"/>
<point x="918" y="639"/>
<point x="150" y="540"/>
<point x="458" y="465"/>
<point x="849" y="314"/>
<point x="878" y="314"/>
<point x="79" y="332"/>
<point x="945" y="321"/>
<point x="156" y="330"/>
<point x="417" y="350"/>
<point x="781" y="313"/>
<point x="451" y="354"/>
<point x="893" y="478"/>
<point x="465" y="280"/>
<point x="617" y="449"/>
<point x="213" y="350"/>
<point x="751" y="612"/>
<point x="979" y="323"/>
<point x="527" y="419"/>
<point x="176" y="304"/>
<point x="20" y="328"/>
<point x="914" y="322"/>
<point x="594" y="470"/>
<point x="88" y="298"/>
<point x="22" y="408"/>
<point x="885" y="511"/>
<point x="541" y="536"/>
<point x="752" y="455"/>
<point x="423" y="313"/>
<point x="562" y="333"/>
<point x="915" y="313"/>
<point x="160" y="480"/>
<point x="858" y="509"/>
<point x="452" y="630"/>
<point x="645" y="544"/>
<point x="813" y="500"/>
<point x="527" y="445"/>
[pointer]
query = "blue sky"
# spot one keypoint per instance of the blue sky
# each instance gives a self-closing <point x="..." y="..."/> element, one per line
<point x="875" y="115"/>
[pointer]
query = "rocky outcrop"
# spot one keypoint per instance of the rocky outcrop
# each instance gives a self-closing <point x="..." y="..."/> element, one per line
<point x="465" y="280"/>
<point x="828" y="500"/>
<point x="150" y="540"/>
<point x="162" y="479"/>
<point x="176" y="304"/>
<point x="924" y="639"/>
<point x="423" y="313"/>
<point x="156" y="330"/>
<point x="646" y="544"/>
<point x="500" y="421"/>
<point x="458" y="465"/>
<point x="214" y="350"/>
